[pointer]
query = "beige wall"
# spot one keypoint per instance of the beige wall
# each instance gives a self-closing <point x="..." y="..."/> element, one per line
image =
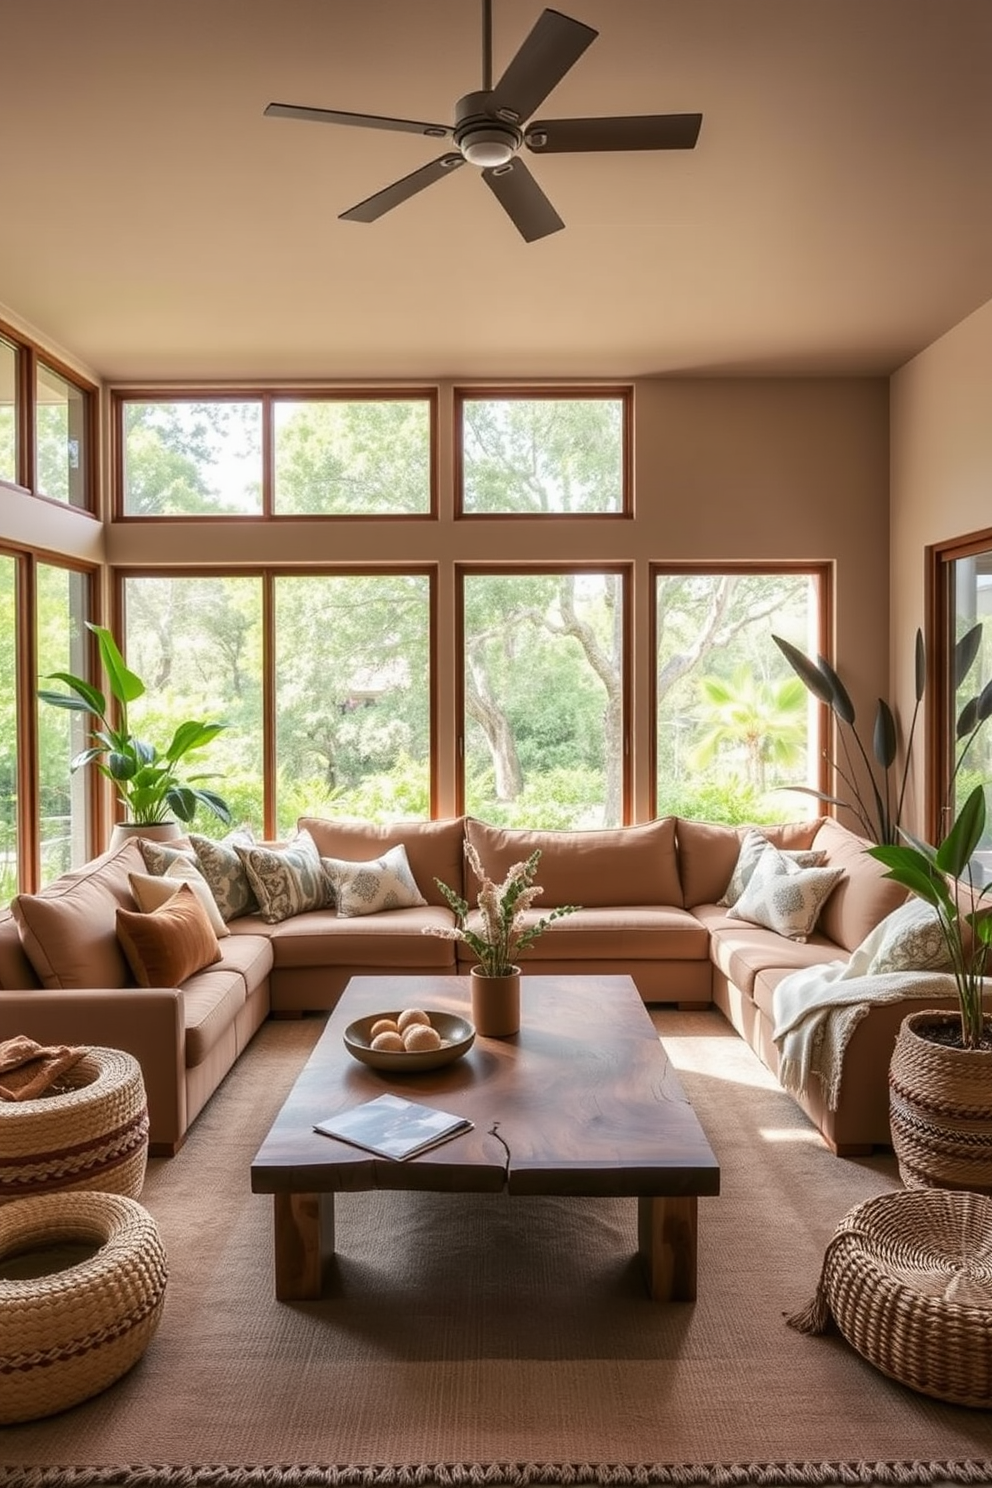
<point x="941" y="469"/>
<point x="724" y="469"/>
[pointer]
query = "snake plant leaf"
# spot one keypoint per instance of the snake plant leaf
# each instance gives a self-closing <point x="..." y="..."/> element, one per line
<point x="965" y="651"/>
<point x="921" y="666"/>
<point x="840" y="698"/>
<point x="967" y="719"/>
<point x="808" y="672"/>
<point x="884" y="737"/>
<point x="985" y="702"/>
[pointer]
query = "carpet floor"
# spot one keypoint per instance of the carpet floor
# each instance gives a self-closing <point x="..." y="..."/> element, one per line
<point x="480" y="1339"/>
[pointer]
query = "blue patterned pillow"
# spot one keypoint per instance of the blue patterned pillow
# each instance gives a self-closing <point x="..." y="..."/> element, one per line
<point x="366" y="888"/>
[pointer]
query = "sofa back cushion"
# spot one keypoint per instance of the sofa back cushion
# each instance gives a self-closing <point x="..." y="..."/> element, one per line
<point x="434" y="849"/>
<point x="605" y="867"/>
<point x="864" y="895"/>
<point x="708" y="852"/>
<point x="69" y="929"/>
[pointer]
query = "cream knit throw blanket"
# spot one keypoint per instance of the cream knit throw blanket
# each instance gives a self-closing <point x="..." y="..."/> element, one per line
<point x="816" y="1010"/>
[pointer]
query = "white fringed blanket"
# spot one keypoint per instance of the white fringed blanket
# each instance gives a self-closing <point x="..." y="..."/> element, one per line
<point x="816" y="1009"/>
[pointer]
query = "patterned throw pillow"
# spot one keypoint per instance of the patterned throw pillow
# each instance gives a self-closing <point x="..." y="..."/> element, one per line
<point x="784" y="897"/>
<point x="382" y="883"/>
<point x="225" y="873"/>
<point x="753" y="845"/>
<point x="286" y="880"/>
<point x="910" y="939"/>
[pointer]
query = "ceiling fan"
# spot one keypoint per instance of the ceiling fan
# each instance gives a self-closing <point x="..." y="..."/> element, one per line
<point x="491" y="125"/>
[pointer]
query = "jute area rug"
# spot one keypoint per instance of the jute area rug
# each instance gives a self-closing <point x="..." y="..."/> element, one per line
<point x="480" y="1340"/>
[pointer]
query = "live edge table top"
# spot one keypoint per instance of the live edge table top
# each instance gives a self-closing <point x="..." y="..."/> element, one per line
<point x="583" y="1101"/>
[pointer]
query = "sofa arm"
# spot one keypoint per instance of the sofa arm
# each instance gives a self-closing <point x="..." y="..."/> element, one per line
<point x="147" y="1022"/>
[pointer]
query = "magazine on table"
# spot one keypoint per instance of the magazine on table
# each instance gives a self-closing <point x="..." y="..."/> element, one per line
<point x="393" y="1127"/>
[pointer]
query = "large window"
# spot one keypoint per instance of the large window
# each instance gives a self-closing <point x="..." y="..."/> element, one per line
<point x="543" y="698"/>
<point x="962" y="732"/>
<point x="734" y="725"/>
<point x="63" y="797"/>
<point x="8" y="411"/>
<point x="526" y="454"/>
<point x="61" y="453"/>
<point x="350" y="457"/>
<point x="8" y="729"/>
<point x="192" y="458"/>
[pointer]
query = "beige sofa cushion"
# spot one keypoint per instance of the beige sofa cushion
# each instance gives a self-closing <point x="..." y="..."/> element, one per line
<point x="608" y="867"/>
<point x="708" y="852"/>
<point x="69" y="930"/>
<point x="434" y="849"/>
<point x="864" y="895"/>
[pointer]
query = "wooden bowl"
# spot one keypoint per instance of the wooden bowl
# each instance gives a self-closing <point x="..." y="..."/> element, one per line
<point x="457" y="1037"/>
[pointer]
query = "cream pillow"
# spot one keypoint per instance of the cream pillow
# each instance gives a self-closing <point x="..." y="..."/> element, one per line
<point x="753" y="845"/>
<point x="909" y="939"/>
<point x="287" y="880"/>
<point x="366" y="888"/>
<point x="152" y="890"/>
<point x="784" y="897"/>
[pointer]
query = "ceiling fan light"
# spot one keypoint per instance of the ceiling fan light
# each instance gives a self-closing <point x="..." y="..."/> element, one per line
<point x="486" y="147"/>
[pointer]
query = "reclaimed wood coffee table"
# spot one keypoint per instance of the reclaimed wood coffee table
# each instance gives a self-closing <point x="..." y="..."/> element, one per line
<point x="582" y="1102"/>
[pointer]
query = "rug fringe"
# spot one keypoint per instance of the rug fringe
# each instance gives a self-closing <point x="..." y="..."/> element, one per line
<point x="909" y="1474"/>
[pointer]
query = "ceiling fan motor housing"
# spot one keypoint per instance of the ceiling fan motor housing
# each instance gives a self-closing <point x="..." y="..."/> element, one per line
<point x="483" y="135"/>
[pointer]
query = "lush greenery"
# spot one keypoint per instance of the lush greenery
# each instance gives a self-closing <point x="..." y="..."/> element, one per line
<point x="944" y="877"/>
<point x="875" y="785"/>
<point x="500" y="936"/>
<point x="145" y="778"/>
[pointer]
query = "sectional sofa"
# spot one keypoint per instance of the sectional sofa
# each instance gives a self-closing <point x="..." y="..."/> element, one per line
<point x="653" y="903"/>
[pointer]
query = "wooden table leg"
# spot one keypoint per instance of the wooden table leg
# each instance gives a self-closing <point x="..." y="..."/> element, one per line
<point x="303" y="1240"/>
<point x="666" y="1237"/>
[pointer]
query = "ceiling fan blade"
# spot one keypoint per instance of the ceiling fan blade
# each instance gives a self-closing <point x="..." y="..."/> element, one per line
<point x="400" y="191"/>
<point x="363" y="121"/>
<point x="636" y="132"/>
<point x="555" y="44"/>
<point x="522" y="200"/>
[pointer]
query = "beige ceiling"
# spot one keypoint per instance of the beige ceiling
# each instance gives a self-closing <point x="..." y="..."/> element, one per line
<point x="835" y="216"/>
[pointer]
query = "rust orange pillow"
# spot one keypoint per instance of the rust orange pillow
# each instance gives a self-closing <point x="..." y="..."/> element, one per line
<point x="168" y="945"/>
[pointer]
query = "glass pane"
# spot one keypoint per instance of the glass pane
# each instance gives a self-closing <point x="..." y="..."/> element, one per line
<point x="353" y="458"/>
<point x="971" y="751"/>
<point x="8" y="729"/>
<point x="64" y="797"/>
<point x="196" y="643"/>
<point x="543" y="677"/>
<point x="533" y="456"/>
<point x="735" y="725"/>
<point x="353" y="696"/>
<point x="8" y="412"/>
<point x="60" y="431"/>
<point x="192" y="459"/>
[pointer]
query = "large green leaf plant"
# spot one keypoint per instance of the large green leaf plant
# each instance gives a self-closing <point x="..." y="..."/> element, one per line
<point x="146" y="779"/>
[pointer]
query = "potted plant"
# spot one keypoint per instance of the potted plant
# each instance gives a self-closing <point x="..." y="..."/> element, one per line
<point x="878" y="807"/>
<point x="940" y="1076"/>
<point x="498" y="940"/>
<point x="145" y="778"/>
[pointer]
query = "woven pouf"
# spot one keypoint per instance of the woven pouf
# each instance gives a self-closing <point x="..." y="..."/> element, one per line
<point x="907" y="1279"/>
<point x="67" y="1335"/>
<point x="93" y="1134"/>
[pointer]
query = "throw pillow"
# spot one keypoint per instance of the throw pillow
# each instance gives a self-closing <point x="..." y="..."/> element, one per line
<point x="225" y="873"/>
<point x="382" y="883"/>
<point x="910" y="939"/>
<point x="152" y="890"/>
<point x="170" y="944"/>
<point x="286" y="880"/>
<point x="784" y="897"/>
<point x="753" y="845"/>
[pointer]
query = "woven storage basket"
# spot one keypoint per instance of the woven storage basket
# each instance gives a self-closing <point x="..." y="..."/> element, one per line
<point x="92" y="1135"/>
<point x="907" y="1278"/>
<point x="69" y="1334"/>
<point x="940" y="1108"/>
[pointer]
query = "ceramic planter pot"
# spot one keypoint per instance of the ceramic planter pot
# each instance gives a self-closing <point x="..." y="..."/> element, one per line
<point x="496" y="1003"/>
<point x="154" y="832"/>
<point x="940" y="1108"/>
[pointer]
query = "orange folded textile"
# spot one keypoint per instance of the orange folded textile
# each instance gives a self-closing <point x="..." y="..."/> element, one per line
<point x="28" y="1069"/>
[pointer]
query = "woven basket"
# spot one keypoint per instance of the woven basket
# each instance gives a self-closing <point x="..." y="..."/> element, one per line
<point x="92" y="1135"/>
<point x="907" y="1279"/>
<point x="67" y="1335"/>
<point x="940" y="1108"/>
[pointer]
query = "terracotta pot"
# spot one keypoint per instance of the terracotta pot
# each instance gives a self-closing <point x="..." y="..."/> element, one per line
<point x="940" y="1108"/>
<point x="154" y="832"/>
<point x="496" y="1003"/>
